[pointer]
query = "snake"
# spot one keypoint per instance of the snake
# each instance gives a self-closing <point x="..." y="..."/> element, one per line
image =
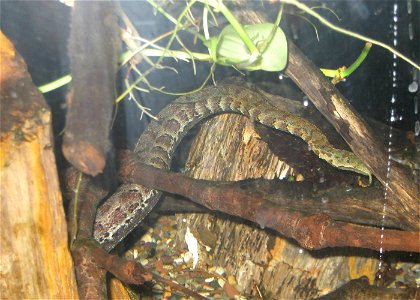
<point x="131" y="203"/>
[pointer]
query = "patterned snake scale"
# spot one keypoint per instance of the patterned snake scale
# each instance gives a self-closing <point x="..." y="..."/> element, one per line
<point x="156" y="146"/>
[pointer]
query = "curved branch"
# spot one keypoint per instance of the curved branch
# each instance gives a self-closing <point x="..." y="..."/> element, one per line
<point x="315" y="231"/>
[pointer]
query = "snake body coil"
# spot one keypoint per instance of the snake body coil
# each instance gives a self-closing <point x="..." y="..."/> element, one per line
<point x="156" y="146"/>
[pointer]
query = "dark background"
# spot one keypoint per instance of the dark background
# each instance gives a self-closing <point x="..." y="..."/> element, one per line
<point x="40" y="29"/>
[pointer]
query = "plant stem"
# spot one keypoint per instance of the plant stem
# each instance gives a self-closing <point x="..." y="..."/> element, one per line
<point x="173" y="20"/>
<point x="164" y="53"/>
<point x="348" y="32"/>
<point x="358" y="61"/>
<point x="48" y="87"/>
<point x="340" y="74"/>
<point x="219" y="5"/>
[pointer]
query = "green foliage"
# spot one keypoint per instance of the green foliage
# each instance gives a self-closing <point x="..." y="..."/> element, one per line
<point x="229" y="49"/>
<point x="246" y="47"/>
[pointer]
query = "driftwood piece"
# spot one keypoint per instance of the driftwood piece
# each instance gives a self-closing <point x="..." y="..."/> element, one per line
<point x="314" y="231"/>
<point x="83" y="191"/>
<point x="259" y="260"/>
<point x="360" y="289"/>
<point x="91" y="261"/>
<point x="93" y="48"/>
<point x="35" y="260"/>
<point x="403" y="192"/>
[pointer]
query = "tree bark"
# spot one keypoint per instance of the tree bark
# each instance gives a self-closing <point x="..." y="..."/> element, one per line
<point x="403" y="192"/>
<point x="35" y="260"/>
<point x="93" y="49"/>
<point x="257" y="258"/>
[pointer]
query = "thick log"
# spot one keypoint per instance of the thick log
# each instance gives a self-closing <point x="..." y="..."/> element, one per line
<point x="259" y="260"/>
<point x="35" y="260"/>
<point x="93" y="48"/>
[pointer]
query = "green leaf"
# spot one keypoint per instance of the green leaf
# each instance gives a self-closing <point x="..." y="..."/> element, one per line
<point x="229" y="49"/>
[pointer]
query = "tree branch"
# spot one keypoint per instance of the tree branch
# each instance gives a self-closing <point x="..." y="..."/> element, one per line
<point x="91" y="261"/>
<point x="404" y="194"/>
<point x="314" y="231"/>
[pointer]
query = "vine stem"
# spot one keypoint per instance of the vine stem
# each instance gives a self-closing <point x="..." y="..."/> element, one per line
<point x="327" y="23"/>
<point x="220" y="6"/>
<point x="165" y="51"/>
<point x="341" y="74"/>
<point x="62" y="81"/>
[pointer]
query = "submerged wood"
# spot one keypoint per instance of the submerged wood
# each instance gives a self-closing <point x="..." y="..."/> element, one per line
<point x="404" y="193"/>
<point x="360" y="289"/>
<point x="93" y="49"/>
<point x="91" y="277"/>
<point x="312" y="231"/>
<point x="92" y="262"/>
<point x="35" y="259"/>
<point x="264" y="263"/>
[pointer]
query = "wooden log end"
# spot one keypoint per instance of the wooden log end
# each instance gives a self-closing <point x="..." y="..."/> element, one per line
<point x="83" y="155"/>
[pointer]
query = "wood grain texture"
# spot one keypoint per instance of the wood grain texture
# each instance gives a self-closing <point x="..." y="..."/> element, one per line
<point x="94" y="46"/>
<point x="257" y="258"/>
<point x="35" y="261"/>
<point x="404" y="193"/>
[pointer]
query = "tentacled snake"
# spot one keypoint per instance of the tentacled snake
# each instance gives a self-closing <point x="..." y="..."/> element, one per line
<point x="156" y="146"/>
